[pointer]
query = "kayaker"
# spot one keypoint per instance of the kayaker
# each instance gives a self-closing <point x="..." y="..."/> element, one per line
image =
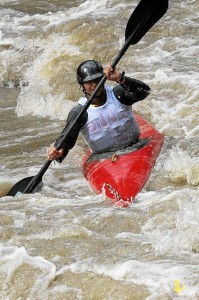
<point x="109" y="123"/>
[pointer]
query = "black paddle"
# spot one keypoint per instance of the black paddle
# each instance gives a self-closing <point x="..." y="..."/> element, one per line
<point x="145" y="15"/>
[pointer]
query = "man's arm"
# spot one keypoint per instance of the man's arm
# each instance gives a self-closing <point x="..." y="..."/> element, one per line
<point x="69" y="143"/>
<point x="131" y="90"/>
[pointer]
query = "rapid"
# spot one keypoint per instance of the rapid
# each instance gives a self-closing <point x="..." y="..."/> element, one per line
<point x="65" y="242"/>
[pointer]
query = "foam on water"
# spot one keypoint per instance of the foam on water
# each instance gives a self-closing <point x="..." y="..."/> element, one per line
<point x="15" y="262"/>
<point x="158" y="276"/>
<point x="182" y="167"/>
<point x="44" y="101"/>
<point x="180" y="213"/>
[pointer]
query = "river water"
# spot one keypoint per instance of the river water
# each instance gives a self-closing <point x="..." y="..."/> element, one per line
<point x="65" y="242"/>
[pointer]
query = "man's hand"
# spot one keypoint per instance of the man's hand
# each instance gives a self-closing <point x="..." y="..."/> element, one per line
<point x="112" y="74"/>
<point x="53" y="153"/>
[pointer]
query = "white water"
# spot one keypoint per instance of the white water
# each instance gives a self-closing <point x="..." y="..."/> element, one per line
<point x="65" y="242"/>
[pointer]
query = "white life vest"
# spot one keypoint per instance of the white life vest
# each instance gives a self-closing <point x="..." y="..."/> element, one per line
<point x="111" y="126"/>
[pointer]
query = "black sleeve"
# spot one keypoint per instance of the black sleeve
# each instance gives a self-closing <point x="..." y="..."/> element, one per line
<point x="132" y="91"/>
<point x="71" y="138"/>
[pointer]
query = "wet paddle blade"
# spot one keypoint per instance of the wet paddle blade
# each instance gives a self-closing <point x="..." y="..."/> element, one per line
<point x="20" y="186"/>
<point x="145" y="15"/>
<point x="31" y="184"/>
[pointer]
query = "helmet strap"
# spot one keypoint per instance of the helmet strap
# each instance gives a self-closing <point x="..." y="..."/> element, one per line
<point x="99" y="96"/>
<point x="87" y="94"/>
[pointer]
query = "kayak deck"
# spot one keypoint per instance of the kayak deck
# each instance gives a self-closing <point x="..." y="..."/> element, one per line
<point x="122" y="174"/>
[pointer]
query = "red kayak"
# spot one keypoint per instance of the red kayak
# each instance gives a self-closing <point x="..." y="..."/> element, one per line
<point x="122" y="174"/>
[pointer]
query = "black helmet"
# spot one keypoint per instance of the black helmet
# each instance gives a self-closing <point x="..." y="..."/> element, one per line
<point x="89" y="70"/>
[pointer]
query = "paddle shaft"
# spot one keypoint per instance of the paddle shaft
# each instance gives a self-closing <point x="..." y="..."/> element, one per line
<point x="37" y="178"/>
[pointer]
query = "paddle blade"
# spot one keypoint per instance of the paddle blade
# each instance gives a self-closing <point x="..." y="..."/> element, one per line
<point x="21" y="186"/>
<point x="145" y="15"/>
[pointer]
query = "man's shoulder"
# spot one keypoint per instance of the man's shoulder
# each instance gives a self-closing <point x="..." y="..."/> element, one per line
<point x="75" y="112"/>
<point x="82" y="101"/>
